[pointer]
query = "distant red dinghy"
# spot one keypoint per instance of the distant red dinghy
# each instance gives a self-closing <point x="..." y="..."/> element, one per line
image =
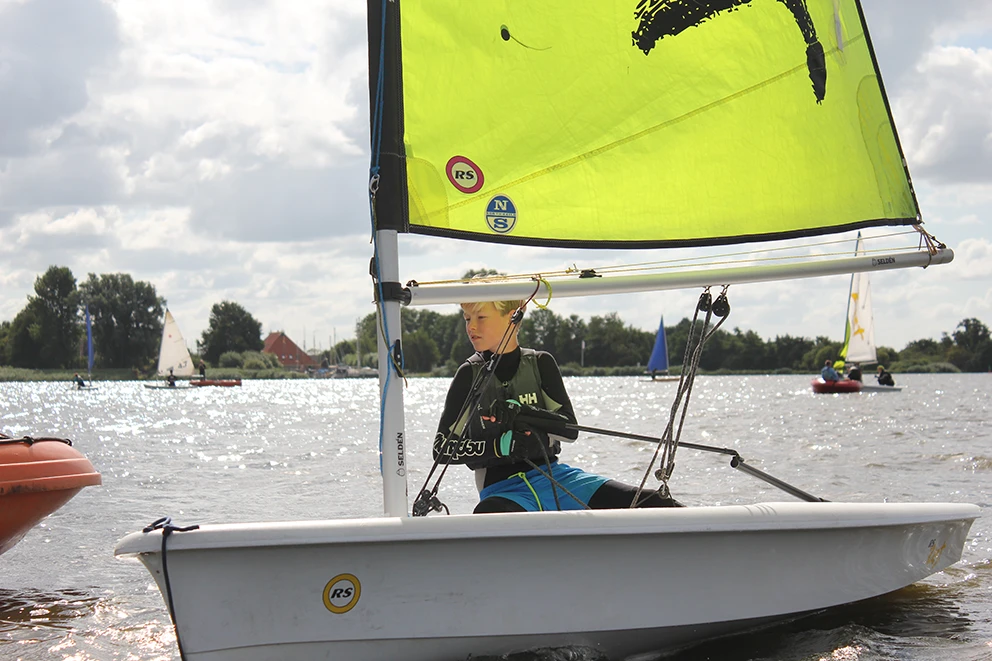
<point x="215" y="382"/>
<point x="37" y="476"/>
<point x="830" y="387"/>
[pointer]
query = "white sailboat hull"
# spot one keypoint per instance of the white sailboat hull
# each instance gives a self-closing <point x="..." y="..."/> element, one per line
<point x="873" y="388"/>
<point x="442" y="588"/>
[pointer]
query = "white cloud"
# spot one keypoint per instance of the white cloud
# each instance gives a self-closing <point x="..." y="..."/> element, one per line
<point x="947" y="130"/>
<point x="972" y="261"/>
<point x="218" y="149"/>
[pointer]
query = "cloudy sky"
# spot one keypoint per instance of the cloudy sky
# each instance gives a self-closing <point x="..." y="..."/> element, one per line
<point x="218" y="149"/>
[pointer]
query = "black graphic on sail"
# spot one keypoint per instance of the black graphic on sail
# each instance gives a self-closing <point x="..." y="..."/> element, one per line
<point x="665" y="18"/>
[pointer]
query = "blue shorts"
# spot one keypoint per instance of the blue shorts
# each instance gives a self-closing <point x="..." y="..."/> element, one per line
<point x="534" y="492"/>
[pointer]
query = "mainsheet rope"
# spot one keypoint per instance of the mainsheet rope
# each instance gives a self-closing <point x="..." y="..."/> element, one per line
<point x="668" y="443"/>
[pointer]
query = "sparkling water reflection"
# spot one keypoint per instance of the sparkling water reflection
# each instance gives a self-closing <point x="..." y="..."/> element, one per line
<point x="309" y="449"/>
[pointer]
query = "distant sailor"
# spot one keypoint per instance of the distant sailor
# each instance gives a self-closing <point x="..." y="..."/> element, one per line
<point x="171" y="379"/>
<point x="884" y="378"/>
<point x="855" y="373"/>
<point x="828" y="373"/>
<point x="203" y="370"/>
<point x="78" y="380"/>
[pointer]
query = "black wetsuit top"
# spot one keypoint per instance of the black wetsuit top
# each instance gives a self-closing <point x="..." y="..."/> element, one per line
<point x="489" y="467"/>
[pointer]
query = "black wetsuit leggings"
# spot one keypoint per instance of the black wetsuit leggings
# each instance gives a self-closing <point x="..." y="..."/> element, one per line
<point x="611" y="495"/>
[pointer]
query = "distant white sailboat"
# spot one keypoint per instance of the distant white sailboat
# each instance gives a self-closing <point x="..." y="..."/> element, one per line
<point x="173" y="356"/>
<point x="859" y="333"/>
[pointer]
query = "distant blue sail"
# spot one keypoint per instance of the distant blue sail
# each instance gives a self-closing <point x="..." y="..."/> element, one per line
<point x="659" y="356"/>
<point x="89" y="341"/>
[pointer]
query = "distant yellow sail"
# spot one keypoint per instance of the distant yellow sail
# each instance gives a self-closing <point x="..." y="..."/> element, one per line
<point x="641" y="124"/>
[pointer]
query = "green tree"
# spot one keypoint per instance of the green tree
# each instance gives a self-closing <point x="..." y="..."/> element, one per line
<point x="23" y="344"/>
<point x="56" y="308"/>
<point x="126" y="316"/>
<point x="568" y="341"/>
<point x="823" y="348"/>
<point x="886" y="355"/>
<point x="4" y="335"/>
<point x="46" y="333"/>
<point x="540" y="330"/>
<point x="231" y="328"/>
<point x="971" y="334"/>
<point x="366" y="336"/>
<point x="609" y="342"/>
<point x="442" y="331"/>
<point x="471" y="273"/>
<point x="920" y="352"/>
<point x="788" y="351"/>
<point x="420" y="352"/>
<point x="677" y="336"/>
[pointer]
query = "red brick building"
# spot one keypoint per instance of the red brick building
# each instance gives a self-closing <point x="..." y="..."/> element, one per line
<point x="287" y="352"/>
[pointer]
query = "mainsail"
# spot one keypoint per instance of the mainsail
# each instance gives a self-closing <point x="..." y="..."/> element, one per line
<point x="632" y="123"/>
<point x="173" y="355"/>
<point x="859" y="333"/>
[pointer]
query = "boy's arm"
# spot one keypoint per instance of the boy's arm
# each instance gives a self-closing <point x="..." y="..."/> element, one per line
<point x="553" y="385"/>
<point x="554" y="389"/>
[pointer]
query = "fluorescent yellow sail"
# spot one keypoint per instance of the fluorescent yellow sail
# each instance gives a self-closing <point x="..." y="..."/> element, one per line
<point x="645" y="124"/>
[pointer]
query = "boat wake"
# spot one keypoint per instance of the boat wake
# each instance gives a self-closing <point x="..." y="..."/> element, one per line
<point x="36" y="609"/>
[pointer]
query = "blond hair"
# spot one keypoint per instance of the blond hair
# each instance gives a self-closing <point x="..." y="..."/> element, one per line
<point x="502" y="307"/>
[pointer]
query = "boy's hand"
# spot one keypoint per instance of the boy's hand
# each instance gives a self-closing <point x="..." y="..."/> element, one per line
<point x="503" y="412"/>
<point x="529" y="444"/>
<point x="499" y="419"/>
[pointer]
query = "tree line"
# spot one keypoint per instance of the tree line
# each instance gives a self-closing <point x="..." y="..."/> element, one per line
<point x="126" y="318"/>
<point x="435" y="342"/>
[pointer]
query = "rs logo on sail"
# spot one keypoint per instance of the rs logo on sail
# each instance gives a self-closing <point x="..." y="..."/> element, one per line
<point x="464" y="175"/>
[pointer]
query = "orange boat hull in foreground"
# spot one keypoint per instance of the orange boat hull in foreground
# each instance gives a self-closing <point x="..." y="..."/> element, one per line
<point x="829" y="387"/>
<point x="215" y="382"/>
<point x="37" y="476"/>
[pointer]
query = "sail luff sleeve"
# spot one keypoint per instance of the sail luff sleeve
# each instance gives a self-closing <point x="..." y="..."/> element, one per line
<point x="386" y="114"/>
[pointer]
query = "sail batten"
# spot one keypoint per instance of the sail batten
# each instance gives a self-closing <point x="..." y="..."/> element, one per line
<point x="605" y="125"/>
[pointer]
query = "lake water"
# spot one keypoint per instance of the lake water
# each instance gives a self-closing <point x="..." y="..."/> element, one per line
<point x="275" y="450"/>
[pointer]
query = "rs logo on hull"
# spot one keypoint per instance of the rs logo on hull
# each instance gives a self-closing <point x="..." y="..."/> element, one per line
<point x="342" y="593"/>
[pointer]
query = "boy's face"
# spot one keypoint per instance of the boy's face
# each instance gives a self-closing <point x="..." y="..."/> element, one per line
<point x="486" y="326"/>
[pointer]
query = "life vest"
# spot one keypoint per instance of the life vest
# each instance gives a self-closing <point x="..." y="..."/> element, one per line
<point x="524" y="386"/>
